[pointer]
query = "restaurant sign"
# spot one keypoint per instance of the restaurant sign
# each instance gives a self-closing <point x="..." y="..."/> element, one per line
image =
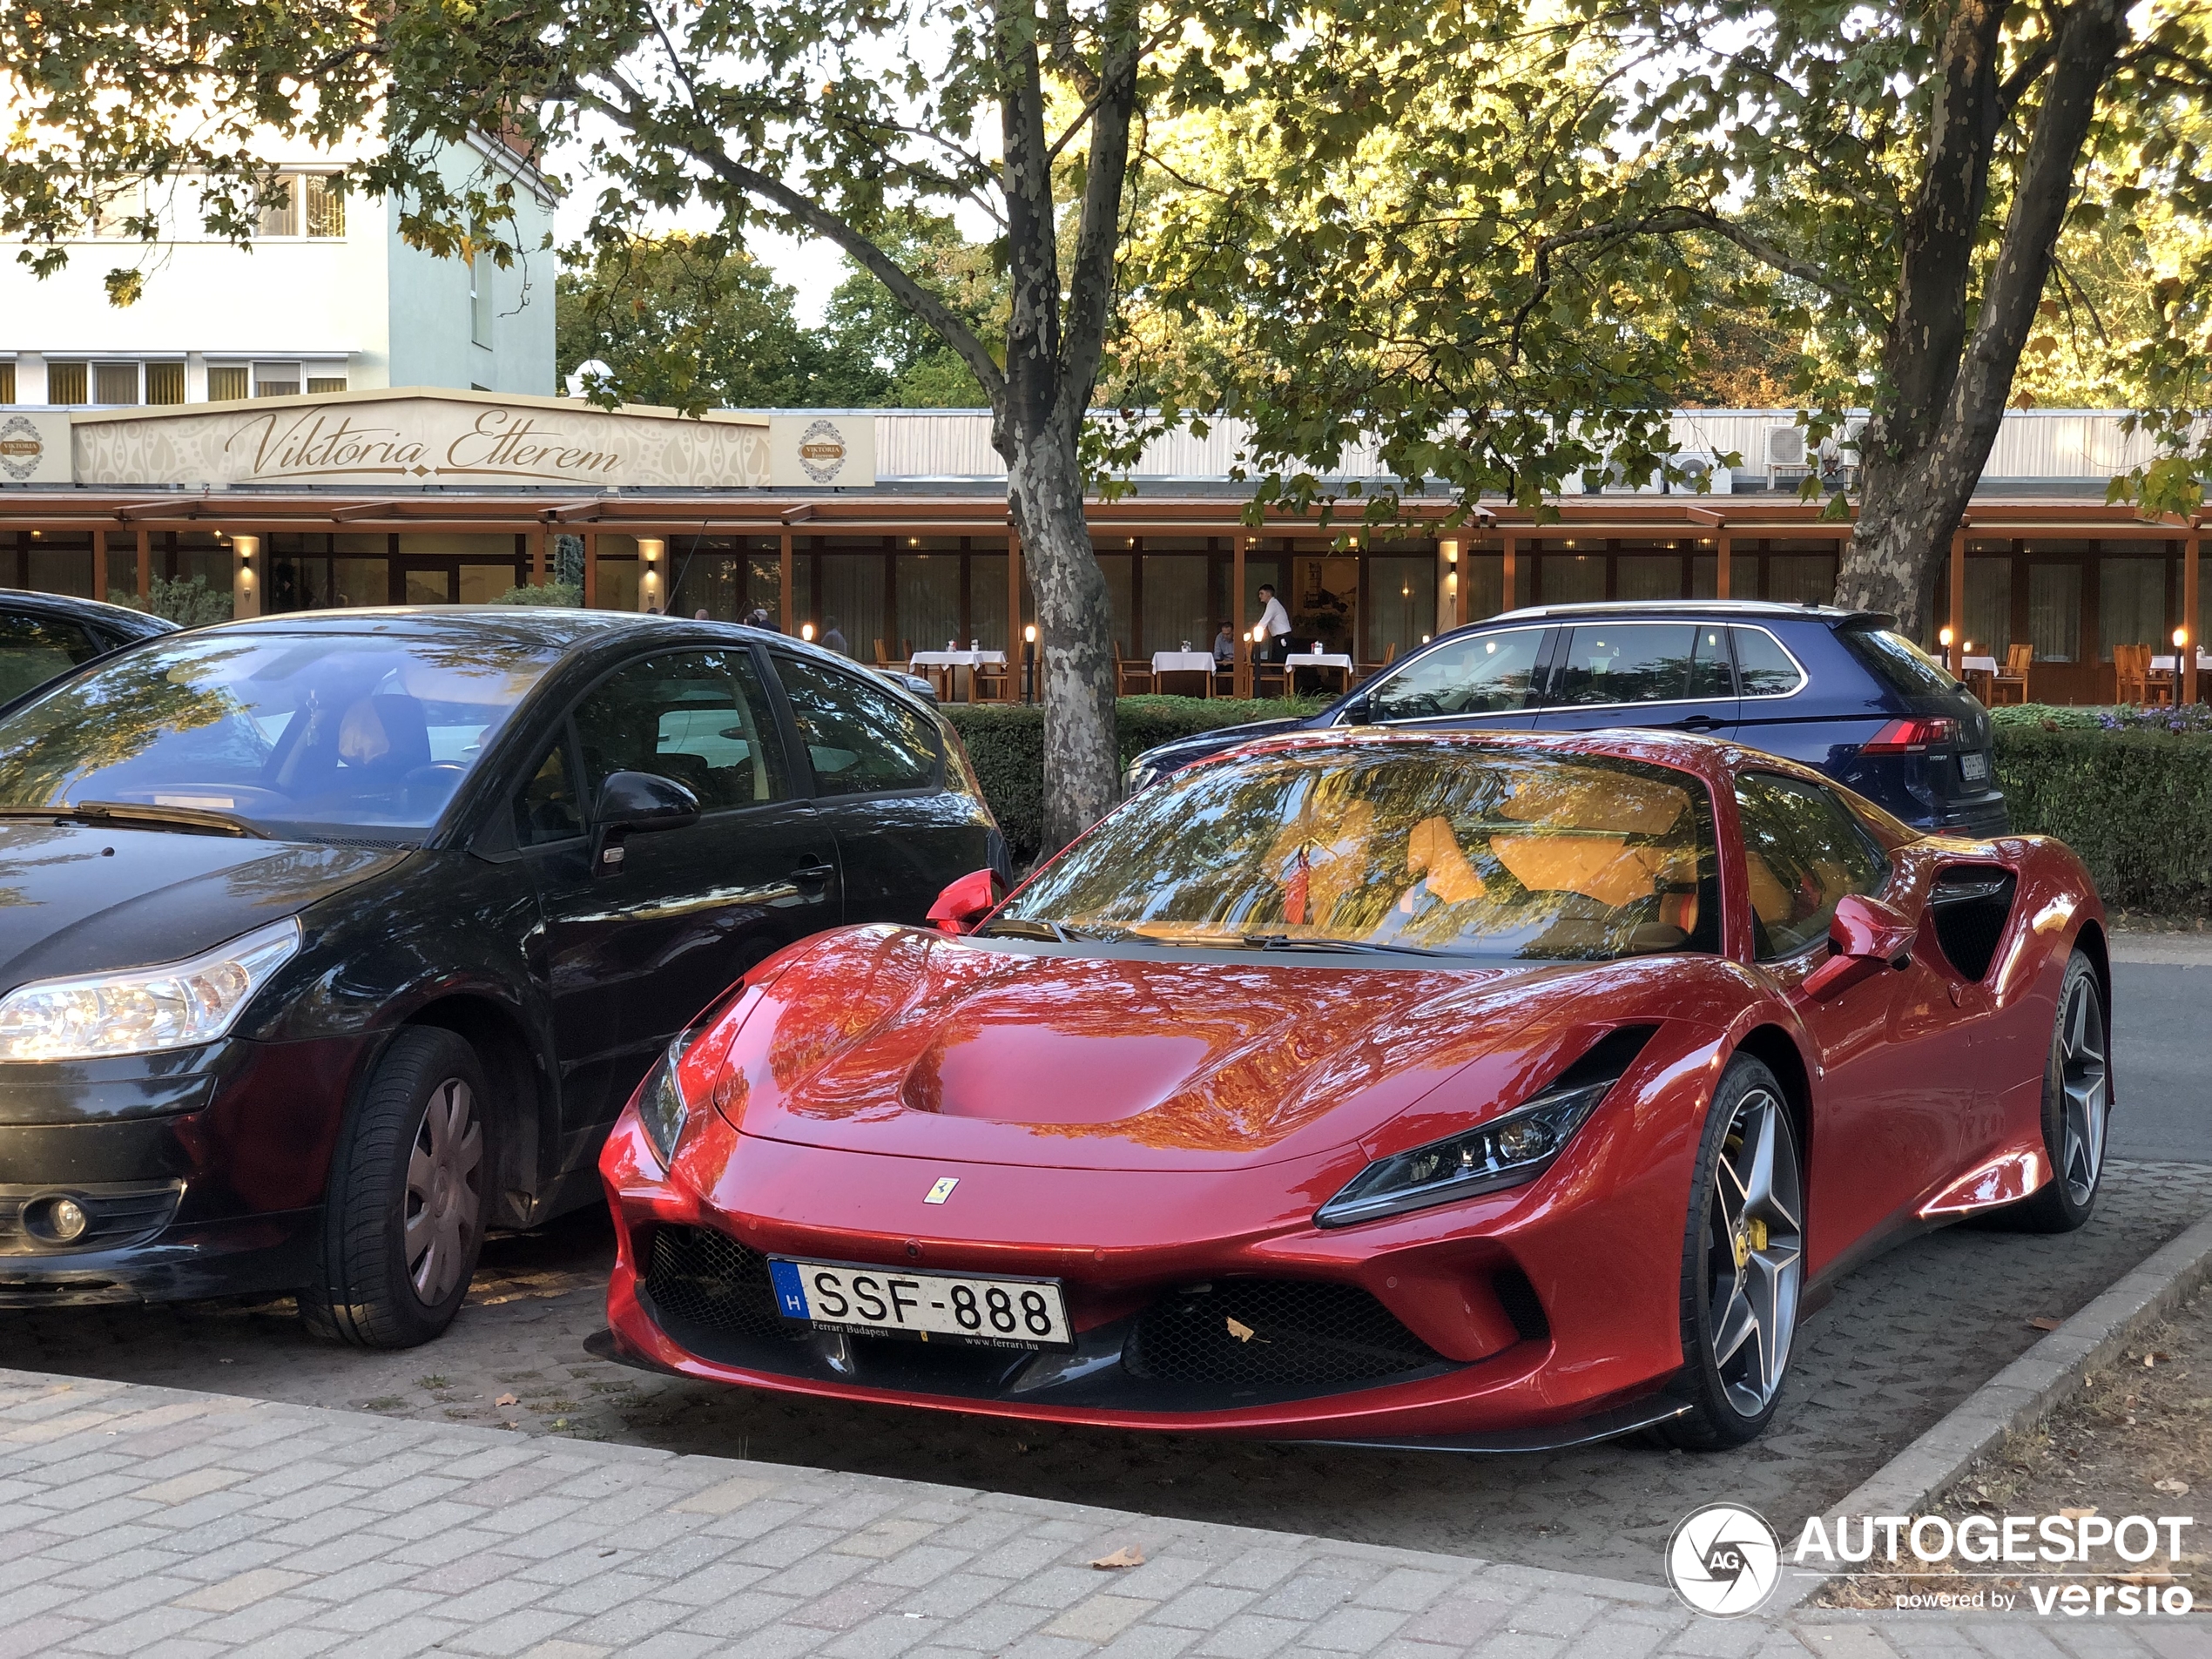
<point x="417" y="439"/>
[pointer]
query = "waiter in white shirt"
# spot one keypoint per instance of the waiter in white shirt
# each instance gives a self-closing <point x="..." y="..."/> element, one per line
<point x="1274" y="625"/>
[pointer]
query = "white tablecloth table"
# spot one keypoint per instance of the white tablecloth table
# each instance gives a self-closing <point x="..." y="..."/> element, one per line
<point x="1337" y="660"/>
<point x="2165" y="664"/>
<point x="1184" y="662"/>
<point x="953" y="661"/>
<point x="1980" y="664"/>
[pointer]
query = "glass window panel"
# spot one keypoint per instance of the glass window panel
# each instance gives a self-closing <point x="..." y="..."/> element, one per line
<point x="1705" y="576"/>
<point x="764" y="588"/>
<point x="697" y="717"/>
<point x="279" y="214"/>
<point x="164" y="383"/>
<point x="2131" y="603"/>
<point x="66" y="383"/>
<point x="199" y="553"/>
<point x="486" y="547"/>
<point x="479" y="585"/>
<point x="1401" y="603"/>
<point x="859" y="736"/>
<point x="361" y="582"/>
<point x="1323" y="603"/>
<point x="1480" y="674"/>
<point x="35" y="649"/>
<point x="1801" y="578"/>
<point x="1763" y="668"/>
<point x="851" y="601"/>
<point x="1803" y="851"/>
<point x="115" y="383"/>
<point x="7" y="382"/>
<point x="62" y="570"/>
<point x="276" y="380"/>
<point x="1119" y="570"/>
<point x="547" y="808"/>
<point x="987" y="601"/>
<point x="298" y="583"/>
<point x="430" y="585"/>
<point x="1642" y="663"/>
<point x="316" y="383"/>
<point x="1177" y="592"/>
<point x="708" y="578"/>
<point x="617" y="583"/>
<point x="325" y="208"/>
<point x="1647" y="575"/>
<point x="226" y="382"/>
<point x="2055" y="612"/>
<point x="929" y="604"/>
<point x="1571" y="578"/>
<point x="1989" y="605"/>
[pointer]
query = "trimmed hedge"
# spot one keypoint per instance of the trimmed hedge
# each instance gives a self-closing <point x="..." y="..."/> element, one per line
<point x="2136" y="805"/>
<point x="1006" y="741"/>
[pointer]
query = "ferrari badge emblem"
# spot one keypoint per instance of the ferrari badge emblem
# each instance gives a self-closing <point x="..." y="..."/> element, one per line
<point x="943" y="1190"/>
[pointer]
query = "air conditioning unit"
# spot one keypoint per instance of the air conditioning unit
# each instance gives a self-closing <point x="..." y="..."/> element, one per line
<point x="1702" y="474"/>
<point x="1785" y="453"/>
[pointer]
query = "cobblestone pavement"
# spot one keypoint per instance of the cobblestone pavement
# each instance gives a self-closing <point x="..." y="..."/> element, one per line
<point x="188" y="1526"/>
<point x="1905" y="1339"/>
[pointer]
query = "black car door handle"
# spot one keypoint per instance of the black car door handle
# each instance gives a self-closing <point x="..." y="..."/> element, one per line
<point x="1699" y="722"/>
<point x="814" y="875"/>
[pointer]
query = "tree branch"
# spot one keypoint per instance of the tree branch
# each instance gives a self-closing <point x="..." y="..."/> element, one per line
<point x="1090" y="299"/>
<point x="1674" y="220"/>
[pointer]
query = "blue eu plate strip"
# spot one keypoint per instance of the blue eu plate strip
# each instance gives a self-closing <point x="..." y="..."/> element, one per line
<point x="791" y="1294"/>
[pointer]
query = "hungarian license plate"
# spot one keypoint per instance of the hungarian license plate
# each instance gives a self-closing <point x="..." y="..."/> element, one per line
<point x="1973" y="766"/>
<point x="989" y="1310"/>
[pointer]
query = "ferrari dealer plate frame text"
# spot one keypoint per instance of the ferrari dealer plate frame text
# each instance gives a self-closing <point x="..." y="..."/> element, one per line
<point x="979" y="1310"/>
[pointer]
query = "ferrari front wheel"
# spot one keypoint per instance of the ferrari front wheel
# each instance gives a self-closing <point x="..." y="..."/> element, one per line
<point x="1743" y="1262"/>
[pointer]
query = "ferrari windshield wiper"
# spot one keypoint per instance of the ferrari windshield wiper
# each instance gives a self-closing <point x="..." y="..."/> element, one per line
<point x="141" y="816"/>
<point x="1288" y="941"/>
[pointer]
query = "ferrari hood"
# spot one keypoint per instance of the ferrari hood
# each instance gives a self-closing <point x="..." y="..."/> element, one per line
<point x="893" y="1040"/>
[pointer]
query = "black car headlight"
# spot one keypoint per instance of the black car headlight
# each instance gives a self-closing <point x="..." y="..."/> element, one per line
<point x="661" y="1106"/>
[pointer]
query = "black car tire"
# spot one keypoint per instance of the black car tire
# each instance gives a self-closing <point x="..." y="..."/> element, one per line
<point x="2075" y="1083"/>
<point x="400" y="1160"/>
<point x="1732" y="1390"/>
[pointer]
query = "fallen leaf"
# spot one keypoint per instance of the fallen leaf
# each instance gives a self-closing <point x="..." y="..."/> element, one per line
<point x="2043" y="1322"/>
<point x="2150" y="1359"/>
<point x="504" y="1400"/>
<point x="1127" y="1556"/>
<point x="1239" y="1330"/>
<point x="2169" y="1484"/>
<point x="2078" y="1515"/>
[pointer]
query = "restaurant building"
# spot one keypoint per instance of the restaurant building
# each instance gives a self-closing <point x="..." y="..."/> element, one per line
<point x="895" y="525"/>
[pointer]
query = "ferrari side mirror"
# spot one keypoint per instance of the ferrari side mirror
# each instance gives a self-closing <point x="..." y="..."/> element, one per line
<point x="1865" y="935"/>
<point x="965" y="903"/>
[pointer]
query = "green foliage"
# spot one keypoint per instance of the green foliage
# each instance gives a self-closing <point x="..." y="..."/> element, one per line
<point x="188" y="603"/>
<point x="692" y="323"/>
<point x="2136" y="805"/>
<point x="1005" y="742"/>
<point x="567" y="594"/>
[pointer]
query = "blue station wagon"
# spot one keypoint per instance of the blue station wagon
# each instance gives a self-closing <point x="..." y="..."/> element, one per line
<point x="1843" y="691"/>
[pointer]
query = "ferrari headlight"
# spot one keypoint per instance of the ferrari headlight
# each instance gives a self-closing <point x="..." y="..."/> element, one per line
<point x="661" y="1106"/>
<point x="1504" y="1152"/>
<point x="143" y="1010"/>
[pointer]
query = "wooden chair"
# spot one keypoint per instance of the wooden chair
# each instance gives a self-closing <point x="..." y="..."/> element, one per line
<point x="991" y="683"/>
<point x="1365" y="672"/>
<point x="1132" y="674"/>
<point x="2011" y="684"/>
<point x="2131" y="673"/>
<point x="882" y="661"/>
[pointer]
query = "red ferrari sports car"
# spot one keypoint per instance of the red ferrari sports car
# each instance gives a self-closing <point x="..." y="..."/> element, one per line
<point x="1409" y="1089"/>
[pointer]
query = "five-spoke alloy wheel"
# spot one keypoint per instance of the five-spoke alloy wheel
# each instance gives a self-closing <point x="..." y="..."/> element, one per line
<point x="2077" y="1100"/>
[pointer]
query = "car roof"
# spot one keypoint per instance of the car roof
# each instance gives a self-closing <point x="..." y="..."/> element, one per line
<point x="64" y="604"/>
<point x="1740" y="610"/>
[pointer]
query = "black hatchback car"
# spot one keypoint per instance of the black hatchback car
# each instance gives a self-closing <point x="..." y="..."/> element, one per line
<point x="43" y="635"/>
<point x="1839" y="689"/>
<point x="329" y="941"/>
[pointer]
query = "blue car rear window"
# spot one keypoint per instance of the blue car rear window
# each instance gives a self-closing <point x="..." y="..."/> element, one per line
<point x="1897" y="663"/>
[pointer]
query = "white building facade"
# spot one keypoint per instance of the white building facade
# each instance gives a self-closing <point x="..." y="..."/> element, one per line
<point x="326" y="299"/>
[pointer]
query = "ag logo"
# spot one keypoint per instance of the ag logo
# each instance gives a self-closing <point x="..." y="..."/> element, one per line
<point x="20" y="449"/>
<point x="1724" y="1560"/>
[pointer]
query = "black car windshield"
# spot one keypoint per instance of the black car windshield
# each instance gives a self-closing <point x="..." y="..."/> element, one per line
<point x="1490" y="852"/>
<point x="296" y="734"/>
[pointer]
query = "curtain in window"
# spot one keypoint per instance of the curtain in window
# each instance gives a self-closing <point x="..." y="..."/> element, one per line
<point x="1989" y="604"/>
<point x="2131" y="603"/>
<point x="1801" y="578"/>
<point x="1401" y="603"/>
<point x="2055" y="612"/>
<point x="852" y="600"/>
<point x="1649" y="576"/>
<point x="929" y="602"/>
<point x="1176" y="591"/>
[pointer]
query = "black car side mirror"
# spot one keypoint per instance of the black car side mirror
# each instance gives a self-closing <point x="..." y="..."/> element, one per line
<point x="633" y="803"/>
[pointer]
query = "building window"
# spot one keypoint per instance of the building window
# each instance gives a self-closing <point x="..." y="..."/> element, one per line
<point x="2131" y="603"/>
<point x="325" y="383"/>
<point x="280" y="209"/>
<point x="1801" y="578"/>
<point x="7" y="382"/>
<point x="480" y="300"/>
<point x="115" y="383"/>
<point x="325" y="208"/>
<point x="276" y="380"/>
<point x="230" y="380"/>
<point x="164" y="383"/>
<point x="65" y="383"/>
<point x="1989" y="604"/>
<point x="2055" y="612"/>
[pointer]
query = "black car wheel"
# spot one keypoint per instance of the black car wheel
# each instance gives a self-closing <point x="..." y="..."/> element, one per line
<point x="2077" y="1099"/>
<point x="1743" y="1262"/>
<point x="410" y="1193"/>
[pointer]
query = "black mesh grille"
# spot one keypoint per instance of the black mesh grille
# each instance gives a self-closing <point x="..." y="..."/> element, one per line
<point x="1269" y="1332"/>
<point x="706" y="1284"/>
<point x="115" y="1214"/>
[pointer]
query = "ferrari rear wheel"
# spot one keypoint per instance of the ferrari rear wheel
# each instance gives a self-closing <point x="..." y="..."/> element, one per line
<point x="2077" y="1099"/>
<point x="1743" y="1262"/>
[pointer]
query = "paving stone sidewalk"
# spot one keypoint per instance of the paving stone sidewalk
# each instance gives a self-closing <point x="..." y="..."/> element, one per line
<point x="176" y="1525"/>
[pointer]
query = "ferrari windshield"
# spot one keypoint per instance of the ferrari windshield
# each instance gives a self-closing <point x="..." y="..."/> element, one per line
<point x="293" y="734"/>
<point x="1488" y="852"/>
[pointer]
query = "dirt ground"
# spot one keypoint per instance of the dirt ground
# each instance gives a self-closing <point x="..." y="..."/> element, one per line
<point x="2135" y="1440"/>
